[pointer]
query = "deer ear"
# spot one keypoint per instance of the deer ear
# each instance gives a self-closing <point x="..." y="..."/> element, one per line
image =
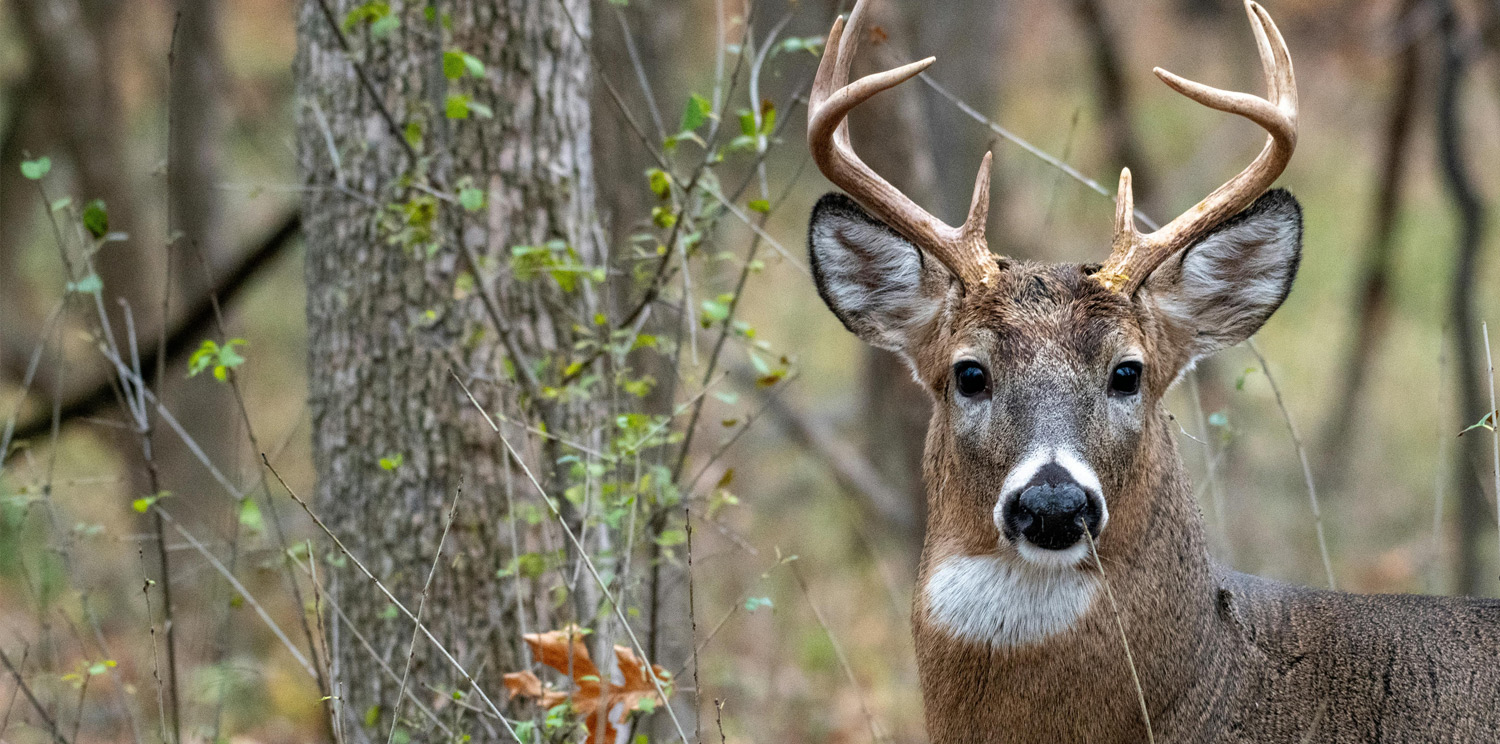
<point x="1222" y="290"/>
<point x="883" y="288"/>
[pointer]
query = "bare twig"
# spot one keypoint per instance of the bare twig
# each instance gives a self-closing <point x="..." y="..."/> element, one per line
<point x="582" y="553"/>
<point x="1114" y="608"/>
<point x="30" y="697"/>
<point x="411" y="648"/>
<point x="838" y="651"/>
<point x="240" y="588"/>
<point x="1312" y="488"/>
<point x="490" y="704"/>
<point x="1489" y="362"/>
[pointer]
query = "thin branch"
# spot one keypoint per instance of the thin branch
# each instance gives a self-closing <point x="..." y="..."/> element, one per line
<point x="1489" y="362"/>
<point x="582" y="552"/>
<point x="187" y="334"/>
<point x="36" y="704"/>
<point x="240" y="588"/>
<point x="838" y="653"/>
<point x="411" y="648"/>
<point x="493" y="709"/>
<point x="1114" y="608"/>
<point x="1312" y="489"/>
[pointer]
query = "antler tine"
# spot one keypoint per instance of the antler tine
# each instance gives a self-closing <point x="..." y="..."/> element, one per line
<point x="1134" y="256"/>
<point x="962" y="249"/>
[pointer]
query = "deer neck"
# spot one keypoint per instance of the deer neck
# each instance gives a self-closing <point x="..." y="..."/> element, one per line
<point x="1005" y="645"/>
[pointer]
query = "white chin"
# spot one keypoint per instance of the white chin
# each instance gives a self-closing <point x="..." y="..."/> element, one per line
<point x="1066" y="558"/>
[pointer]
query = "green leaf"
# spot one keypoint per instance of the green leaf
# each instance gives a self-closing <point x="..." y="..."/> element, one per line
<point x="481" y="110"/>
<point x="365" y="13"/>
<point x="473" y="65"/>
<point x="696" y="112"/>
<point x="90" y="284"/>
<point x="250" y="517"/>
<point x="220" y="359"/>
<point x="36" y="169"/>
<point x="96" y="218"/>
<point x="385" y="27"/>
<point x="457" y="106"/>
<point x="754" y="603"/>
<point x="453" y="64"/>
<point x="471" y="199"/>
<point x="661" y="184"/>
<point x="1239" y="382"/>
<point x="143" y="505"/>
<point x="372" y="716"/>
<point x="391" y="462"/>
<point x="664" y="217"/>
<point x="760" y="205"/>
<point x="1218" y="419"/>
<point x="1486" y="422"/>
<point x="668" y="538"/>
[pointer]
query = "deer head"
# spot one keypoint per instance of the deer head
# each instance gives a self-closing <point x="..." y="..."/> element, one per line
<point x="1047" y="380"/>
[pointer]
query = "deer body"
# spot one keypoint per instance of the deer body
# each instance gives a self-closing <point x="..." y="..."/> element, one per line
<point x="1222" y="656"/>
<point x="1051" y="454"/>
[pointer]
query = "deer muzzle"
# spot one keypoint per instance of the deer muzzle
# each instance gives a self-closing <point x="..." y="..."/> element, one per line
<point x="1046" y="513"/>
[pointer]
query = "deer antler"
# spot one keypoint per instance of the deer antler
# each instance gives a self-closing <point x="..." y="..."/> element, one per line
<point x="962" y="249"/>
<point x="1134" y="256"/>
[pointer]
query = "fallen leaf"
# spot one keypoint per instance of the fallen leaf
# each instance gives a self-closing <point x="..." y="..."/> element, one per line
<point x="565" y="651"/>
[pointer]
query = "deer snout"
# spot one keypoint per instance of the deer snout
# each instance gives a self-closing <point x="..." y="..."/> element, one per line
<point x="1053" y="517"/>
<point x="1049" y="504"/>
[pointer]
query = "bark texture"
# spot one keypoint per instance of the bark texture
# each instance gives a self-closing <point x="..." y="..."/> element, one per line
<point x="390" y="314"/>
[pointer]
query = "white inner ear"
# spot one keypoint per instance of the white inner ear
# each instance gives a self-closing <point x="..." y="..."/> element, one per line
<point x="874" y="279"/>
<point x="1227" y="285"/>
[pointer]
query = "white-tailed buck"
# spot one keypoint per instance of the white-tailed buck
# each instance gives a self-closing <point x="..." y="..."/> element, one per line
<point x="1047" y="382"/>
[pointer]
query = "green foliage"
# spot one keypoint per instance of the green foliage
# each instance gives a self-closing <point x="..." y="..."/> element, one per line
<point x="376" y="15"/>
<point x="472" y="199"/>
<point x="456" y="62"/>
<point x="459" y="106"/>
<point x="221" y="359"/>
<point x="1486" y="422"/>
<point x="96" y="218"/>
<point x="37" y="169"/>
<point x="90" y="284"/>
<point x="392" y="462"/>
<point x="144" y="504"/>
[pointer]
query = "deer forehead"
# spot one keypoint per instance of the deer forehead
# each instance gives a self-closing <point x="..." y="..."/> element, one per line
<point x="1043" y="313"/>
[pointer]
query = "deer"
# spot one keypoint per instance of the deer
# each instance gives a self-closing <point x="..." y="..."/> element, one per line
<point x="1065" y="590"/>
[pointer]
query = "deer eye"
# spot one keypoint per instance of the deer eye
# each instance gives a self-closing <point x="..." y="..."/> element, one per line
<point x="1126" y="379"/>
<point x="971" y="378"/>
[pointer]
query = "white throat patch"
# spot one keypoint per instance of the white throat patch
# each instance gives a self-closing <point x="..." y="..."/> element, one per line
<point x="998" y="602"/>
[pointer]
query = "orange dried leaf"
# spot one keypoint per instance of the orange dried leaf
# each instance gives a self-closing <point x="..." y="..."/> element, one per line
<point x="599" y="703"/>
<point x="524" y="684"/>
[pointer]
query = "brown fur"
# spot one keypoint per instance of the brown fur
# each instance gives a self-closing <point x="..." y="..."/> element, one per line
<point x="1222" y="657"/>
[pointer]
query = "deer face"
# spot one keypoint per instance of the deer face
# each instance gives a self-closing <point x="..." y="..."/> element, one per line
<point x="1047" y="381"/>
<point x="1047" y="385"/>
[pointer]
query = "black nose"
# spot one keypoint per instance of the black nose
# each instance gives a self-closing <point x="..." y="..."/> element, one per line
<point x="1052" y="516"/>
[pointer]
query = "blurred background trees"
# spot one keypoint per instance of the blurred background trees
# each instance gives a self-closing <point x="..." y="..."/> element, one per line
<point x="588" y="216"/>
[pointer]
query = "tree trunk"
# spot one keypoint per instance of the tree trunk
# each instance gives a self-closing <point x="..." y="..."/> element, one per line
<point x="1474" y="513"/>
<point x="392" y="308"/>
<point x="1372" y="315"/>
